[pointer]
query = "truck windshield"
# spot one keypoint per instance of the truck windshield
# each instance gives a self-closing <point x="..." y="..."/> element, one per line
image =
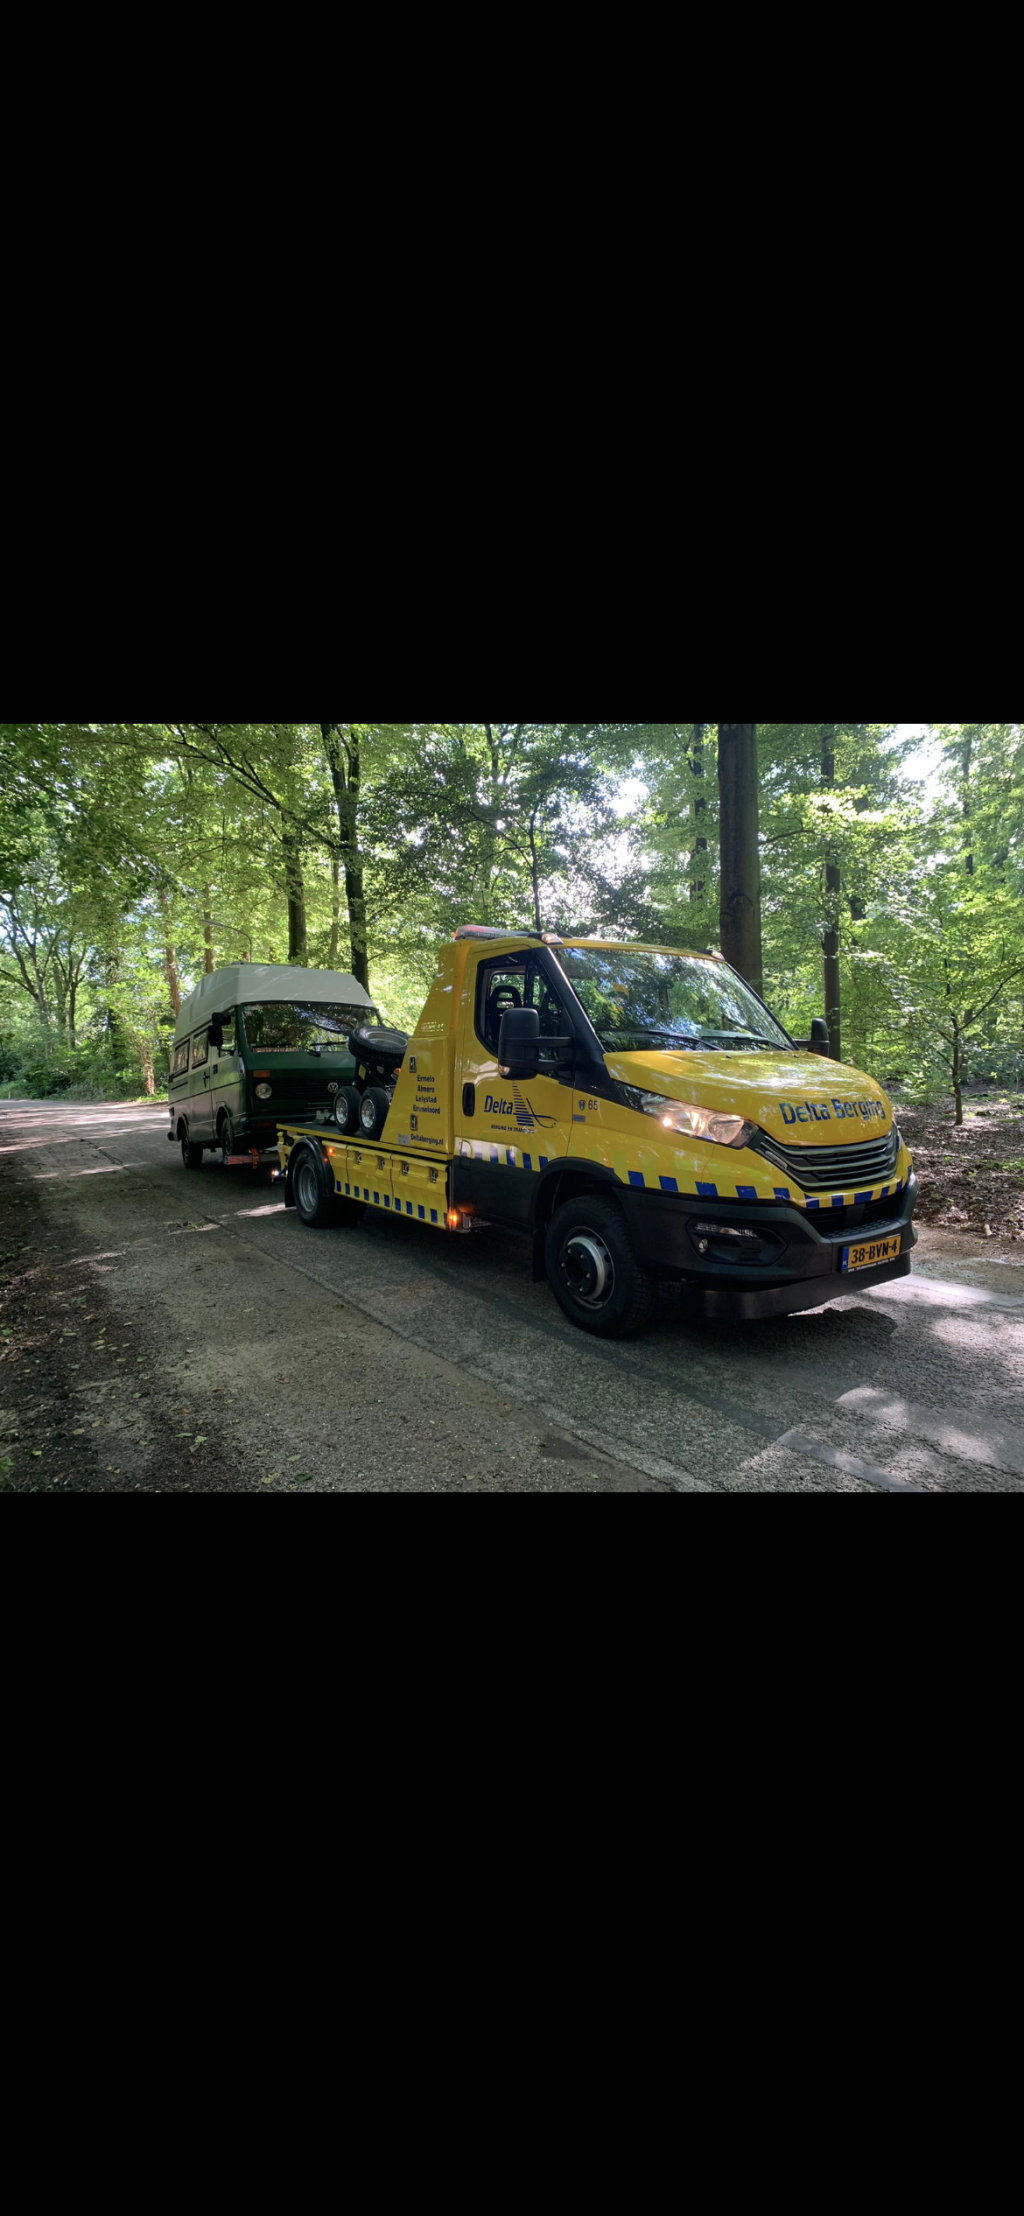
<point x="297" y="1026"/>
<point x="638" y="999"/>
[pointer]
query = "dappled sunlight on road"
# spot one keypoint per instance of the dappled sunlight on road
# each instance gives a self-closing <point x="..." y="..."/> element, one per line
<point x="915" y="1386"/>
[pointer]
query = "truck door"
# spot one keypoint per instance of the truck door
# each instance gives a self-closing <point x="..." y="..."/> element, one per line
<point x="200" y="1105"/>
<point x="509" y="1131"/>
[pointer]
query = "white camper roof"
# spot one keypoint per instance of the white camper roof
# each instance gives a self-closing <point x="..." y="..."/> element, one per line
<point x="240" y="982"/>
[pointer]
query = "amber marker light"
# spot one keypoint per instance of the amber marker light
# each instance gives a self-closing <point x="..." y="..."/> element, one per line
<point x="454" y="1219"/>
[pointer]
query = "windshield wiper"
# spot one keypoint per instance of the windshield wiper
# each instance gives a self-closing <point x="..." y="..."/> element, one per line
<point x="757" y="1037"/>
<point x="651" y="1031"/>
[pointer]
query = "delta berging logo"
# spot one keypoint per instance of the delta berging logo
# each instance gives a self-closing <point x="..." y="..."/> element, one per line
<point x="815" y="1111"/>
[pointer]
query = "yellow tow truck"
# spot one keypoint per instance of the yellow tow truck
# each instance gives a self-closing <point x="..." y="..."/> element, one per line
<point x="638" y="1112"/>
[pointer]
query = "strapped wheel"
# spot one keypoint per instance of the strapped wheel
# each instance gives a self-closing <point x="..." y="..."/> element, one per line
<point x="373" y="1111"/>
<point x="346" y="1109"/>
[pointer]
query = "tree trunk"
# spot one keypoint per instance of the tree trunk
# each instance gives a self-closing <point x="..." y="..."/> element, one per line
<point x="966" y="804"/>
<point x="171" y="962"/>
<point x="148" y="1073"/>
<point x="833" y="896"/>
<point x="698" y="857"/>
<point x="741" y="862"/>
<point x="344" y="761"/>
<point x="298" y="933"/>
<point x="535" y="871"/>
<point x="958" y="1076"/>
<point x="211" y="962"/>
<point x="335" y="913"/>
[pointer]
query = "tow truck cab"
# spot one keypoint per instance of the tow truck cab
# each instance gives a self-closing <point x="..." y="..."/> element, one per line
<point x="641" y="1115"/>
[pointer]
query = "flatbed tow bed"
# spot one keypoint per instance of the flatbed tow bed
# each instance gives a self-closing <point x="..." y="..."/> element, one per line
<point x="376" y="1176"/>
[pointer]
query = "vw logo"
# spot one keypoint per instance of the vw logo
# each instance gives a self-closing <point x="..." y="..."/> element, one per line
<point x="334" y="1088"/>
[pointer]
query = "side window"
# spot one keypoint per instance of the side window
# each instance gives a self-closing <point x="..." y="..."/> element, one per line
<point x="180" y="1066"/>
<point x="504" y="986"/>
<point x="200" y="1049"/>
<point x="517" y="985"/>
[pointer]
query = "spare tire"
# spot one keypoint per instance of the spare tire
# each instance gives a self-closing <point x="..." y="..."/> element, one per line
<point x="377" y="1048"/>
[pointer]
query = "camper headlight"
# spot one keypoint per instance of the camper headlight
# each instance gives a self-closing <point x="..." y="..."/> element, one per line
<point x="697" y="1123"/>
<point x="264" y="1092"/>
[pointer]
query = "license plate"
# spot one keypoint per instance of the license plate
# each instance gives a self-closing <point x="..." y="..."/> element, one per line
<point x="873" y="1251"/>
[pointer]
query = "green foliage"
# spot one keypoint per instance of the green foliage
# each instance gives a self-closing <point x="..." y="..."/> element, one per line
<point x="131" y="855"/>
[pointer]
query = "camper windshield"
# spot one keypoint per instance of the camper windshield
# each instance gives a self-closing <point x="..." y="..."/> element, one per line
<point x="297" y="1026"/>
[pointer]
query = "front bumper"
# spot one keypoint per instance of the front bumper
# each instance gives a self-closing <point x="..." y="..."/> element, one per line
<point x="806" y="1271"/>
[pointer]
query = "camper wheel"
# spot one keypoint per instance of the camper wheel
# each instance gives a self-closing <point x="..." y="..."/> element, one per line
<point x="191" y="1155"/>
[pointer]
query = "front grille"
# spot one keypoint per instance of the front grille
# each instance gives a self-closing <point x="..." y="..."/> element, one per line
<point x="830" y="1169"/>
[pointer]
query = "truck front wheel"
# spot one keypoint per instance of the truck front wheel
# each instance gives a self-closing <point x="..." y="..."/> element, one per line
<point x="593" y="1271"/>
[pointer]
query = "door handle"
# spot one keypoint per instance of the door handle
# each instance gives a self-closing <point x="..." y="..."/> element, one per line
<point x="469" y="1100"/>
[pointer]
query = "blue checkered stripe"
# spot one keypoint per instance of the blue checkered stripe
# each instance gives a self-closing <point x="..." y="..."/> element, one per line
<point x="501" y="1157"/>
<point x="706" y="1191"/>
<point x="412" y="1208"/>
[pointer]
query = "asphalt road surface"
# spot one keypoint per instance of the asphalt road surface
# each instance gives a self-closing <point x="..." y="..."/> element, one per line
<point x="183" y="1332"/>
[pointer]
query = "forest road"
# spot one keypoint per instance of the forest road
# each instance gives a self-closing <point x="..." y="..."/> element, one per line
<point x="176" y="1331"/>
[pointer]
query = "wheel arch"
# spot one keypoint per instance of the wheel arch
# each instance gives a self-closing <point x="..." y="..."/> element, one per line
<point x="569" y="1181"/>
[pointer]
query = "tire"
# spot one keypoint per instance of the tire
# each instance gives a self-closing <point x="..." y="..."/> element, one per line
<point x="315" y="1202"/>
<point x="191" y="1155"/>
<point x="346" y="1110"/>
<point x="593" y="1271"/>
<point x="373" y="1112"/>
<point x="226" y="1139"/>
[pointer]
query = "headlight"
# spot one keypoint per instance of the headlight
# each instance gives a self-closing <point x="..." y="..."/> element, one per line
<point x="697" y="1123"/>
<point x="264" y="1092"/>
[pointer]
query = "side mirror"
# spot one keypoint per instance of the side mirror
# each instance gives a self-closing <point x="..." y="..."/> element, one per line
<point x="217" y="1030"/>
<point x="519" y="1042"/>
<point x="820" y="1040"/>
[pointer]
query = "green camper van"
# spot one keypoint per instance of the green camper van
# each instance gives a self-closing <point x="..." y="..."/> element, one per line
<point x="256" y="1044"/>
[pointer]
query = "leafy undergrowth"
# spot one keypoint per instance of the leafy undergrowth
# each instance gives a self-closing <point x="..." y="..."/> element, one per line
<point x="971" y="1179"/>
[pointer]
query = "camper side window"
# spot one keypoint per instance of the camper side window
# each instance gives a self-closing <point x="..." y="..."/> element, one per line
<point x="180" y="1065"/>
<point x="200" y="1049"/>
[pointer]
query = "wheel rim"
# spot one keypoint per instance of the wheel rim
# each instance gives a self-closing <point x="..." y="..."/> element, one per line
<point x="308" y="1184"/>
<point x="368" y="1118"/>
<point x="588" y="1271"/>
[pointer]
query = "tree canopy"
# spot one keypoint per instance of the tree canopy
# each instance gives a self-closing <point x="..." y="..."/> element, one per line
<point x="848" y="873"/>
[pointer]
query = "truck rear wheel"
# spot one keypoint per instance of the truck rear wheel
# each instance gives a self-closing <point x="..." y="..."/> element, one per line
<point x="313" y="1190"/>
<point x="593" y="1271"/>
<point x="316" y="1203"/>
